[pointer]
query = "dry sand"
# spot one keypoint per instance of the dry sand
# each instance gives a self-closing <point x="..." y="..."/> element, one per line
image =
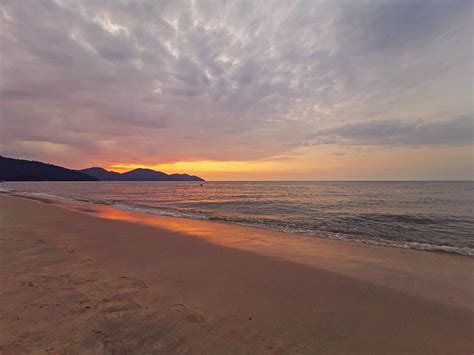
<point x="117" y="282"/>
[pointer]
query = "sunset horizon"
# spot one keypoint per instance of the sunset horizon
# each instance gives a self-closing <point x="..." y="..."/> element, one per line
<point x="230" y="171"/>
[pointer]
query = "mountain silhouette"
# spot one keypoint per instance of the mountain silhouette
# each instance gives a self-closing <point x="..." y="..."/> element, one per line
<point x="102" y="174"/>
<point x="29" y="170"/>
<point x="137" y="175"/>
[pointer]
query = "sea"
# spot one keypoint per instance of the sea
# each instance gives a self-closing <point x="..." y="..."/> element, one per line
<point x="429" y="215"/>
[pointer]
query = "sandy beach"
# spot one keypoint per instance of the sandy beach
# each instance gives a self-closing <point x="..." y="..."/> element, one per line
<point x="97" y="280"/>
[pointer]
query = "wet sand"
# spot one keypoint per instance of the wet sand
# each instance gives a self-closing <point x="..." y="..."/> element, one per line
<point x="106" y="281"/>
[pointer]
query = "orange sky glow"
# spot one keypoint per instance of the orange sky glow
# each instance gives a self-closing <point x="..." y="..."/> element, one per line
<point x="323" y="164"/>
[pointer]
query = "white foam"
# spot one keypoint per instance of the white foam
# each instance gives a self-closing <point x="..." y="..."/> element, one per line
<point x="158" y="211"/>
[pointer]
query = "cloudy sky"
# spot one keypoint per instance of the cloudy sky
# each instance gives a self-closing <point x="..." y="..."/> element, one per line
<point x="341" y="89"/>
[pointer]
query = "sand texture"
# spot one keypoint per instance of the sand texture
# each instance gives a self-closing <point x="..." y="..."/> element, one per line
<point x="76" y="283"/>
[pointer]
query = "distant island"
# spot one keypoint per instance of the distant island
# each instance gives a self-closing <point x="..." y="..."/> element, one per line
<point x="28" y="170"/>
<point x="137" y="175"/>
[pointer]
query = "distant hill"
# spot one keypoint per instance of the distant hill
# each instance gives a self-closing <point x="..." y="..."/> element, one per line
<point x="102" y="174"/>
<point x="28" y="170"/>
<point x="137" y="175"/>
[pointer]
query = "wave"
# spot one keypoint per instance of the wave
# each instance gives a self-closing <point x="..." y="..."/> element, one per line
<point x="294" y="228"/>
<point x="159" y="211"/>
<point x="313" y="229"/>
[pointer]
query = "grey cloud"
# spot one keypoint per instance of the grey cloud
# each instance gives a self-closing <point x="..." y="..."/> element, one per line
<point x="395" y="24"/>
<point x="248" y="77"/>
<point x="459" y="131"/>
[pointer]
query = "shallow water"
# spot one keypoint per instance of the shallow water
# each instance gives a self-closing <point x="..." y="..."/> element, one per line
<point x="419" y="215"/>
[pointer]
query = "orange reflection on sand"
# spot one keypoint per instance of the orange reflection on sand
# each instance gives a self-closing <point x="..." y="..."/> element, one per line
<point x="299" y="248"/>
<point x="315" y="252"/>
<point x="242" y="237"/>
<point x="207" y="229"/>
<point x="378" y="265"/>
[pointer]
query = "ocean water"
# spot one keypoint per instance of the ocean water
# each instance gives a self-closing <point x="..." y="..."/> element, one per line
<point x="435" y="216"/>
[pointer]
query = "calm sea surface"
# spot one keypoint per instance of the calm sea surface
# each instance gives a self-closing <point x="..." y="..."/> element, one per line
<point x="421" y="215"/>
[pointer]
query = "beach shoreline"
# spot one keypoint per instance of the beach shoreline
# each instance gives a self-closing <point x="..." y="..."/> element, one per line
<point x="114" y="281"/>
<point x="432" y="216"/>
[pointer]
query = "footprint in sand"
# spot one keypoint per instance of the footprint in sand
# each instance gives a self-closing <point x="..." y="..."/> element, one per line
<point x="124" y="307"/>
<point x="135" y="283"/>
<point x="28" y="283"/>
<point x="188" y="316"/>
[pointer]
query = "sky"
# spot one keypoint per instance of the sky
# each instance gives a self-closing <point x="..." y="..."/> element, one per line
<point x="241" y="90"/>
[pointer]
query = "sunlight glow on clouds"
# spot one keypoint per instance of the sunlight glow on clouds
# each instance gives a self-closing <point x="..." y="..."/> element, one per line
<point x="209" y="168"/>
<point x="211" y="86"/>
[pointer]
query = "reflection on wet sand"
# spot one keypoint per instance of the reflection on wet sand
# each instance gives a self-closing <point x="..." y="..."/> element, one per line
<point x="384" y="266"/>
